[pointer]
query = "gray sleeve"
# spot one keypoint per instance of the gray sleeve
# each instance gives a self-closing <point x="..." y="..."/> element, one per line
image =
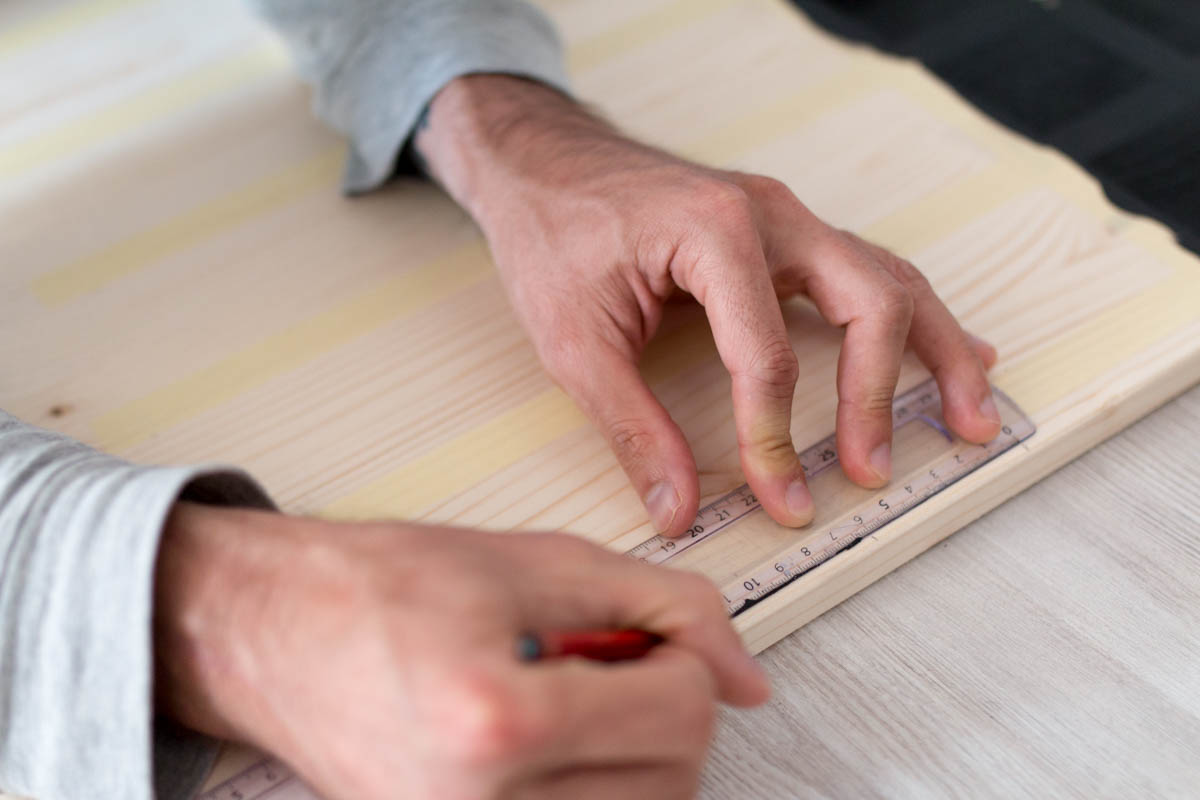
<point x="79" y="535"/>
<point x="376" y="64"/>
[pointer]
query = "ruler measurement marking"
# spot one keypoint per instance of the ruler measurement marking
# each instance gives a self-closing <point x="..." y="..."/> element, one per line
<point x="794" y="569"/>
<point x="814" y="459"/>
<point x="253" y="783"/>
<point x="863" y="521"/>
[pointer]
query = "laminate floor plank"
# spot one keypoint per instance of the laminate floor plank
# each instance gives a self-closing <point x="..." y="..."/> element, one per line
<point x="1049" y="649"/>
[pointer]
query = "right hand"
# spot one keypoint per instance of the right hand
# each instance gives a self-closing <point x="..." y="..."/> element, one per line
<point x="378" y="659"/>
<point x="593" y="232"/>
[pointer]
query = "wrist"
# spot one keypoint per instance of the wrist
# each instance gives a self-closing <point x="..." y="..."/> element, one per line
<point x="213" y="579"/>
<point x="483" y="133"/>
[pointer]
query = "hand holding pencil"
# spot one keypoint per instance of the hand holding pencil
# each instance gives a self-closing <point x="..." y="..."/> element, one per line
<point x="404" y="679"/>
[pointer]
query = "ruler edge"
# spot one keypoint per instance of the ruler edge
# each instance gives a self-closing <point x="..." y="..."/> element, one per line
<point x="265" y="760"/>
<point x="1170" y="372"/>
<point x="897" y="400"/>
<point x="828" y="562"/>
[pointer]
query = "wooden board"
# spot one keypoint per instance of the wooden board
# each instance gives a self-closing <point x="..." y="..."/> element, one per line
<point x="182" y="282"/>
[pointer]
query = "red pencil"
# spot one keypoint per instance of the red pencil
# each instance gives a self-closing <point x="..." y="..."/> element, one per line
<point x="597" y="645"/>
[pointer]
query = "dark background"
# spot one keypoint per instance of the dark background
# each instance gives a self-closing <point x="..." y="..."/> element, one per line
<point x="1115" y="84"/>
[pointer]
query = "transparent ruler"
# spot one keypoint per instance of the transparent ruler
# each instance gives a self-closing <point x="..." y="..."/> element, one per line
<point x="268" y="778"/>
<point x="749" y="556"/>
<point x="763" y="557"/>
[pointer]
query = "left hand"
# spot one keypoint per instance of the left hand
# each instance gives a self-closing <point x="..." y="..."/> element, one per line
<point x="592" y="232"/>
<point x="379" y="659"/>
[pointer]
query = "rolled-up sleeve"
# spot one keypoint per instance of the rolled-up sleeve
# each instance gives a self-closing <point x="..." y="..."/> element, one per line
<point x="376" y="64"/>
<point x="79" y="534"/>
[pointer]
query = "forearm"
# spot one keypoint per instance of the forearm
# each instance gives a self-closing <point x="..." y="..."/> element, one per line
<point x="484" y="132"/>
<point x="210" y="577"/>
<point x="79" y="531"/>
<point x="227" y="581"/>
<point x="375" y="64"/>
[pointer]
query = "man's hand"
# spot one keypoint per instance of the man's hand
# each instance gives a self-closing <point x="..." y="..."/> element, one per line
<point x="379" y="659"/>
<point x="593" y="232"/>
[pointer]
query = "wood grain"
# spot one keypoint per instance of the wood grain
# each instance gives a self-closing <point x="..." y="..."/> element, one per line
<point x="182" y="282"/>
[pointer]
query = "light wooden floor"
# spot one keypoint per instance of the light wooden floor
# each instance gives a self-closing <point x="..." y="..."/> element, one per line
<point x="1050" y="649"/>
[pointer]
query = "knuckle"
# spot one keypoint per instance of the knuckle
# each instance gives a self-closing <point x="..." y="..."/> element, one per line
<point x="906" y="272"/>
<point x="728" y="204"/>
<point x="723" y="235"/>
<point x="718" y="195"/>
<point x="491" y="725"/>
<point x="911" y="277"/>
<point x="896" y="303"/>
<point x="772" y="449"/>
<point x="775" y="366"/>
<point x="770" y="189"/>
<point x="873" y="401"/>
<point x="631" y="439"/>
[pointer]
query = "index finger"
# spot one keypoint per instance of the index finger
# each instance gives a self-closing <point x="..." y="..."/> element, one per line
<point x="573" y="584"/>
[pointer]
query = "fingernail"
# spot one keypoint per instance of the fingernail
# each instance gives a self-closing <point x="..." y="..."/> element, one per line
<point x="881" y="461"/>
<point x="799" y="500"/>
<point x="988" y="409"/>
<point x="662" y="501"/>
